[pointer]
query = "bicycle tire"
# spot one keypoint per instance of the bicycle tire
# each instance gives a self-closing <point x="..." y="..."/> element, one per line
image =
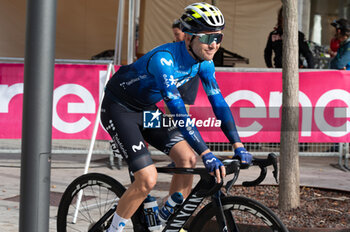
<point x="248" y="214"/>
<point x="99" y="191"/>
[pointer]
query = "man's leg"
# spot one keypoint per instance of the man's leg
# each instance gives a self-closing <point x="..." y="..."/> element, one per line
<point x="145" y="180"/>
<point x="123" y="127"/>
<point x="184" y="157"/>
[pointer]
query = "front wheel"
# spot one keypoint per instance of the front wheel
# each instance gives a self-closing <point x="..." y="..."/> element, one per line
<point x="97" y="193"/>
<point x="241" y="214"/>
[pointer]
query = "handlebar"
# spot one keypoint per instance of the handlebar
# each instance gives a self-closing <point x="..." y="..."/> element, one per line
<point x="233" y="167"/>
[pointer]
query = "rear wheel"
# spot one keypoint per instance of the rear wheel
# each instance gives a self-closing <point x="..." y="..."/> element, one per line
<point x="241" y="214"/>
<point x="98" y="194"/>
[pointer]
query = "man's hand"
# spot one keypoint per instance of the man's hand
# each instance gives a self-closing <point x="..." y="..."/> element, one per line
<point x="214" y="165"/>
<point x="244" y="156"/>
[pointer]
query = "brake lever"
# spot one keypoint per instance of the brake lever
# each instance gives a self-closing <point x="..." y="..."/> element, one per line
<point x="232" y="166"/>
<point x="263" y="163"/>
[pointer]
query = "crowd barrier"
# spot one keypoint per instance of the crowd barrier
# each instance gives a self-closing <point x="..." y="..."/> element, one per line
<point x="254" y="95"/>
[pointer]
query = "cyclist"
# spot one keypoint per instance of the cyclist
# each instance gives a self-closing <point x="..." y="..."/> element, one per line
<point x="133" y="92"/>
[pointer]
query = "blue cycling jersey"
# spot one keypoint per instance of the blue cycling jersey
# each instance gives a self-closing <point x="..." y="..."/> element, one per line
<point x="156" y="76"/>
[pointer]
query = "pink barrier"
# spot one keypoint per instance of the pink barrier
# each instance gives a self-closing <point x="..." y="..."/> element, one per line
<point x="255" y="100"/>
<point x="76" y="98"/>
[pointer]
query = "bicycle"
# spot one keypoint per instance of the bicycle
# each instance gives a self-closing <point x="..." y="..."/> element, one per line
<point x="222" y="213"/>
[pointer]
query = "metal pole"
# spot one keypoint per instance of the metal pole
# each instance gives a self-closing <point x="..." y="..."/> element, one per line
<point x="131" y="33"/>
<point x="119" y="34"/>
<point x="37" y="116"/>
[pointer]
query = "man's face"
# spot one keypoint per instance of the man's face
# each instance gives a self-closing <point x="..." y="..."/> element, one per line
<point x="178" y="35"/>
<point x="202" y="50"/>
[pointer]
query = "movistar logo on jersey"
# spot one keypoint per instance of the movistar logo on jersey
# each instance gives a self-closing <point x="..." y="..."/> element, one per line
<point x="163" y="61"/>
<point x="151" y="119"/>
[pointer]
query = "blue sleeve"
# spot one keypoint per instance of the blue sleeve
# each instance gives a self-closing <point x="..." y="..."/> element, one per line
<point x="342" y="58"/>
<point x="221" y="109"/>
<point x="161" y="66"/>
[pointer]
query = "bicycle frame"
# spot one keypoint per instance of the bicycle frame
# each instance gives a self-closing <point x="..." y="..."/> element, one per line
<point x="185" y="211"/>
<point x="206" y="186"/>
<point x="196" y="197"/>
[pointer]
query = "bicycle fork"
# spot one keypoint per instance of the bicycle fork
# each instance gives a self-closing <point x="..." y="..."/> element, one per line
<point x="224" y="219"/>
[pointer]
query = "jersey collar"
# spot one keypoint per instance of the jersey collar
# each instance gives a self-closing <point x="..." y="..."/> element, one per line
<point x="186" y="55"/>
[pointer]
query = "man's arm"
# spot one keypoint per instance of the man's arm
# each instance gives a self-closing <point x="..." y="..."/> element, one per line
<point x="222" y="111"/>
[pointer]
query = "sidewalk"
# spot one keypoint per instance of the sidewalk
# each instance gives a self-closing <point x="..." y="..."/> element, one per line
<point x="314" y="171"/>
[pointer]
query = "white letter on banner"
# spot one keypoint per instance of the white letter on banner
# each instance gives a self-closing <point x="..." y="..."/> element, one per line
<point x="7" y="93"/>
<point x="306" y="118"/>
<point x="339" y="112"/>
<point x="87" y="106"/>
<point x="258" y="112"/>
<point x="275" y="104"/>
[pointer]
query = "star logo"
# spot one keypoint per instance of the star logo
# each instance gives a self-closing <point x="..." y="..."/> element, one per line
<point x="151" y="119"/>
<point x="156" y="115"/>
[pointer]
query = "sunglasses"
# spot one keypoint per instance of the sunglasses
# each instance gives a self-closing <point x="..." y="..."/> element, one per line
<point x="209" y="38"/>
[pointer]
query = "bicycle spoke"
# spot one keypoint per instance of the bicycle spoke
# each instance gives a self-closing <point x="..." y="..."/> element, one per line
<point x="81" y="213"/>
<point x="99" y="194"/>
<point x="85" y="202"/>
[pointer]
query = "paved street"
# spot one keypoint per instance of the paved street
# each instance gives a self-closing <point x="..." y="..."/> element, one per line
<point x="315" y="171"/>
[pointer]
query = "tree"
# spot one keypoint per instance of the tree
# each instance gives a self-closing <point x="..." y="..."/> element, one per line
<point x="289" y="197"/>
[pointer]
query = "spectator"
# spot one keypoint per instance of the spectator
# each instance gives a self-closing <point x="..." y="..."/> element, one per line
<point x="179" y="35"/>
<point x="342" y="32"/>
<point x="274" y="44"/>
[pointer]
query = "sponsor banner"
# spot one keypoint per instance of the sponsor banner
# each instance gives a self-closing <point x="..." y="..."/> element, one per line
<point x="75" y="100"/>
<point x="255" y="100"/>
